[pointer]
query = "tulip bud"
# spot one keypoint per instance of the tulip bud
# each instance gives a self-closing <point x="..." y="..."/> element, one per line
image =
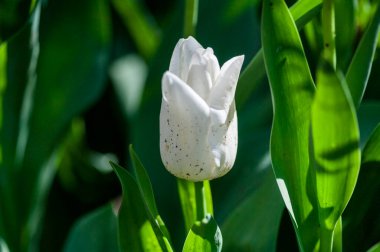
<point x="198" y="122"/>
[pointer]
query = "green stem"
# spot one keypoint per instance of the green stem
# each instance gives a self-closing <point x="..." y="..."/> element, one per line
<point x="200" y="200"/>
<point x="191" y="17"/>
<point x="337" y="242"/>
<point x="326" y="240"/>
<point x="328" y="29"/>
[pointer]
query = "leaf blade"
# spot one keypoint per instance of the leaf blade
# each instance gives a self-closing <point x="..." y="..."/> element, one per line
<point x="138" y="230"/>
<point x="335" y="136"/>
<point x="292" y="90"/>
<point x="204" y="236"/>
<point x="360" y="67"/>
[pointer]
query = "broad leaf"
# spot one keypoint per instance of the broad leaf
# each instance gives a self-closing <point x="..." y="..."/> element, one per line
<point x="204" y="236"/>
<point x="292" y="90"/>
<point x="257" y="218"/>
<point x="94" y="232"/>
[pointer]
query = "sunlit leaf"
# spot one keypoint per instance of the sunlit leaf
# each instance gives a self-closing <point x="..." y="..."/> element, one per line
<point x="335" y="140"/>
<point x="138" y="230"/>
<point x="302" y="11"/>
<point x="146" y="190"/>
<point x="375" y="248"/>
<point x="205" y="236"/>
<point x="292" y="91"/>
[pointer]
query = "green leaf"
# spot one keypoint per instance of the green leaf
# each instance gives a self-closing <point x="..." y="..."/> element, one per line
<point x="13" y="16"/>
<point x="139" y="23"/>
<point x="375" y="248"/>
<point x="302" y="11"/>
<point x="345" y="30"/>
<point x="204" y="236"/>
<point x="292" y="90"/>
<point x="186" y="190"/>
<point x="41" y="97"/>
<point x="146" y="190"/>
<point x="360" y="67"/>
<point x="94" y="232"/>
<point x="305" y="10"/>
<point x="335" y="135"/>
<point x="257" y="218"/>
<point x="371" y="151"/>
<point x="338" y="237"/>
<point x="18" y="59"/>
<point x="335" y="140"/>
<point x="138" y="230"/>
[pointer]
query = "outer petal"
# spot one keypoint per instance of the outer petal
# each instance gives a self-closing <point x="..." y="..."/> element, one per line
<point x="177" y="93"/>
<point x="223" y="141"/>
<point x="222" y="94"/>
<point x="184" y="125"/>
<point x="181" y="57"/>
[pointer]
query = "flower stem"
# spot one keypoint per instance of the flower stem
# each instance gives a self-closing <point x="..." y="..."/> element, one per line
<point x="191" y="17"/>
<point x="326" y="240"/>
<point x="200" y="200"/>
<point x="328" y="29"/>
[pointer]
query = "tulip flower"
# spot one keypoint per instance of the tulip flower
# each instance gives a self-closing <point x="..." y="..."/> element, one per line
<point x="198" y="122"/>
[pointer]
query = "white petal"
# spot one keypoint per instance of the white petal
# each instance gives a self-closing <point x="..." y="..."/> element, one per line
<point x="184" y="125"/>
<point x="212" y="63"/>
<point x="199" y="78"/>
<point x="183" y="51"/>
<point x="223" y="142"/>
<point x="222" y="94"/>
<point x="177" y="93"/>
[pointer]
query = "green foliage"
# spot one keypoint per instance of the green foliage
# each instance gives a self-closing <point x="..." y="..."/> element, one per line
<point x="94" y="232"/>
<point x="57" y="62"/>
<point x="335" y="144"/>
<point x="142" y="233"/>
<point x="292" y="91"/>
<point x="204" y="235"/>
<point x="360" y="67"/>
<point x="187" y="194"/>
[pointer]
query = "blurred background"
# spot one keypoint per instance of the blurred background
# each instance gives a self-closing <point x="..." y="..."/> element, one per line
<point x="81" y="80"/>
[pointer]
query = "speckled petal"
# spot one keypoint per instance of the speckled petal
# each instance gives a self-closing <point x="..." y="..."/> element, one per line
<point x="223" y="141"/>
<point x="184" y="123"/>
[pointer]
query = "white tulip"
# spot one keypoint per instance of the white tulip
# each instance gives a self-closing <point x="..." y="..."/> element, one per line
<point x="198" y="122"/>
